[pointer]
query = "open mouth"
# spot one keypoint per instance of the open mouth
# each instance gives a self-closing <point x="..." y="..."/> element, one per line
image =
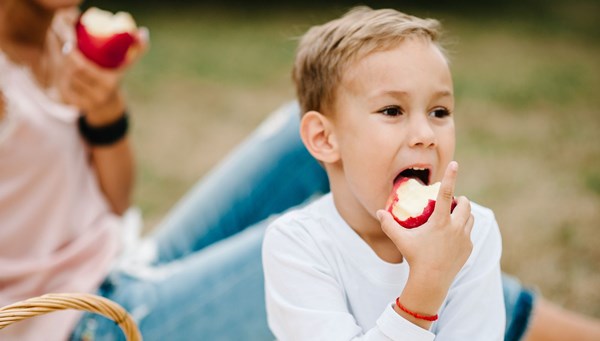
<point x="419" y="174"/>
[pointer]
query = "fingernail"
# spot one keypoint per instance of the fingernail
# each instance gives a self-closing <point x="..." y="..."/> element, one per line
<point x="144" y="34"/>
<point x="67" y="47"/>
<point x="379" y="214"/>
<point x="454" y="165"/>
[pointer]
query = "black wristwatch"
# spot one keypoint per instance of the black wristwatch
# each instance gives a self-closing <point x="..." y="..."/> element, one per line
<point x="104" y="135"/>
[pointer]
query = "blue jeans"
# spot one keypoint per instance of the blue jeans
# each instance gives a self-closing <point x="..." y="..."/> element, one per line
<point x="206" y="281"/>
<point x="518" y="302"/>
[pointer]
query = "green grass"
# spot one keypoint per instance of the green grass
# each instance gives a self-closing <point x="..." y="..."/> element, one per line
<point x="528" y="119"/>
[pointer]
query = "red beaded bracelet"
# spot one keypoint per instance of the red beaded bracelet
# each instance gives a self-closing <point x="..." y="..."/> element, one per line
<point x="415" y="315"/>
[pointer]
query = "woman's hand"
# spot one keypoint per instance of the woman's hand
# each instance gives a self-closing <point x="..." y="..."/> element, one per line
<point x="93" y="89"/>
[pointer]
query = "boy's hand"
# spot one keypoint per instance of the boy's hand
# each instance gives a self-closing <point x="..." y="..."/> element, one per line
<point x="438" y="249"/>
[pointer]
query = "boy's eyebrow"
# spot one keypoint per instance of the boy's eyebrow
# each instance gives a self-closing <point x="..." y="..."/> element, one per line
<point x="400" y="93"/>
<point x="444" y="93"/>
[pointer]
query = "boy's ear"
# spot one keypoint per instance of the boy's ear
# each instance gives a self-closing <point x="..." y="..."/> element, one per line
<point x="317" y="134"/>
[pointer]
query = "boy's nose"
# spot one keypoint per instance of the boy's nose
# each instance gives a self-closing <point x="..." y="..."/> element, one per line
<point x="421" y="133"/>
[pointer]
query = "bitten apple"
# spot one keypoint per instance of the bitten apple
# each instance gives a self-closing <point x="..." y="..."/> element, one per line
<point x="412" y="203"/>
<point x="106" y="38"/>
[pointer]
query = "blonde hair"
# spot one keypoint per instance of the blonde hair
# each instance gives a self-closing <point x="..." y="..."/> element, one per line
<point x="326" y="50"/>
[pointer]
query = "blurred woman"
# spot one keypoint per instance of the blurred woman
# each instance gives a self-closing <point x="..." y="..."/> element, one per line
<point x="63" y="194"/>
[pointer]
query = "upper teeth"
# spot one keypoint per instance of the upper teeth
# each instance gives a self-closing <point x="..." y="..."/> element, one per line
<point x="418" y="168"/>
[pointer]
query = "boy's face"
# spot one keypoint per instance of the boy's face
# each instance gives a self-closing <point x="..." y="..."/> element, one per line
<point x="393" y="113"/>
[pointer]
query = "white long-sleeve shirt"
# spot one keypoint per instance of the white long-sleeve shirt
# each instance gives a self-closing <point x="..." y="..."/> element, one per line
<point x="323" y="282"/>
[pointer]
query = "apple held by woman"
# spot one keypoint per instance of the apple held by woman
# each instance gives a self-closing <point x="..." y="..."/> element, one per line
<point x="106" y="38"/>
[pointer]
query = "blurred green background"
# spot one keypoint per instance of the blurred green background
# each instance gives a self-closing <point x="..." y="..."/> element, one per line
<point x="527" y="82"/>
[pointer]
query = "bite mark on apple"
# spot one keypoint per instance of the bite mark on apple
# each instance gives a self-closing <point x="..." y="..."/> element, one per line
<point x="106" y="38"/>
<point x="411" y="203"/>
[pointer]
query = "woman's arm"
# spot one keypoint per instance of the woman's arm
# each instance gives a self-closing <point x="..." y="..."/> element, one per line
<point x="114" y="164"/>
<point x="115" y="168"/>
<point x="96" y="92"/>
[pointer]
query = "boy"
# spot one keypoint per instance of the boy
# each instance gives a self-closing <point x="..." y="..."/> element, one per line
<point x="377" y="98"/>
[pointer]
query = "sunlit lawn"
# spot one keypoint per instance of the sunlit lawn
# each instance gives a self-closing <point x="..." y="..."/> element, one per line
<point x="527" y="114"/>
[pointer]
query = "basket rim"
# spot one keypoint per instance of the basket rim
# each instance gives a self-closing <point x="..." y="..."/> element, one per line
<point x="51" y="302"/>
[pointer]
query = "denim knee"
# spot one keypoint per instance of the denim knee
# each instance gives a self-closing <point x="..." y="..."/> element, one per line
<point x="518" y="301"/>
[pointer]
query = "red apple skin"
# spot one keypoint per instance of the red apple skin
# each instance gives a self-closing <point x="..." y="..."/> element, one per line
<point x="108" y="52"/>
<point x="412" y="222"/>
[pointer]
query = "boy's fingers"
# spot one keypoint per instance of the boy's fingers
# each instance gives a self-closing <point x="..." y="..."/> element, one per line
<point x="385" y="219"/>
<point x="469" y="225"/>
<point x="446" y="193"/>
<point x="462" y="211"/>
<point x="389" y="226"/>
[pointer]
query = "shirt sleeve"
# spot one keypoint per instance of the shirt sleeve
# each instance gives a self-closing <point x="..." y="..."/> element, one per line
<point x="474" y="307"/>
<point x="305" y="302"/>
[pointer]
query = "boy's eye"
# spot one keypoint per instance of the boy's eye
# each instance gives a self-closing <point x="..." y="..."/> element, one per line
<point x="440" y="113"/>
<point x="391" y="111"/>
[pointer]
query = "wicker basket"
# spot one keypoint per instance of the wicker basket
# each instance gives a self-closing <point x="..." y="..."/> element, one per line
<point x="52" y="302"/>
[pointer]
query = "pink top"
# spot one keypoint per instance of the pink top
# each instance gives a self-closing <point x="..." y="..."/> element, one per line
<point x="57" y="233"/>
